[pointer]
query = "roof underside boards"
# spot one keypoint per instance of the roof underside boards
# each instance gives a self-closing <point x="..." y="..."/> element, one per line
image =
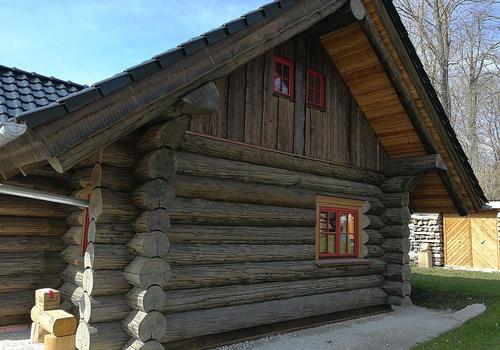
<point x="362" y="71"/>
<point x="21" y="91"/>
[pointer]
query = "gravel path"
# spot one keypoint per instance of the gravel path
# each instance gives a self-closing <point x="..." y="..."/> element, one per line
<point x="398" y="330"/>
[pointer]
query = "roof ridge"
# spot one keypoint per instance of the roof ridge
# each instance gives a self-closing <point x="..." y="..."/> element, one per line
<point x="41" y="76"/>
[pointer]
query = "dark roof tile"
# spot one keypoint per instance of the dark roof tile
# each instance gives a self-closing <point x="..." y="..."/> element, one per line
<point x="116" y="82"/>
<point x="271" y="8"/>
<point x="253" y="17"/>
<point x="194" y="45"/>
<point x="80" y="98"/>
<point x="42" y="114"/>
<point x="215" y="35"/>
<point x="235" y="25"/>
<point x="170" y="57"/>
<point x="144" y="69"/>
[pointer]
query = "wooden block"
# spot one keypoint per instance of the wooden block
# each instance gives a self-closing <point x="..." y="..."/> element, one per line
<point x="425" y="259"/>
<point x="37" y="333"/>
<point x="57" y="322"/>
<point x="52" y="342"/>
<point x="47" y="299"/>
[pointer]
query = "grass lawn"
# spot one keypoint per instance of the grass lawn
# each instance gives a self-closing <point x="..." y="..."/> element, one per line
<point x="453" y="289"/>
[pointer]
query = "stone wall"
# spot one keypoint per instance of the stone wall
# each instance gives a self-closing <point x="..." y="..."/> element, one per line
<point x="427" y="228"/>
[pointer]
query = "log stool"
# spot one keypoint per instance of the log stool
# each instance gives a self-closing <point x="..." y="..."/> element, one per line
<point x="54" y="327"/>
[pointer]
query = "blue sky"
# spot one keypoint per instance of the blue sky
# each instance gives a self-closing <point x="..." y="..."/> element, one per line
<point x="87" y="41"/>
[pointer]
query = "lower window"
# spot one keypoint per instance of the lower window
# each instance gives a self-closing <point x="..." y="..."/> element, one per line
<point x="337" y="228"/>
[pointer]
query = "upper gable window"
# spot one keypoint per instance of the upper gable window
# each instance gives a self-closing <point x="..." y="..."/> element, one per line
<point x="315" y="89"/>
<point x="283" y="76"/>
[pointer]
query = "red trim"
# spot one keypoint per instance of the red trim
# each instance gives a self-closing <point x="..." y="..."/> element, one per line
<point x="284" y="65"/>
<point x="322" y="93"/>
<point x="338" y="212"/>
<point x="85" y="233"/>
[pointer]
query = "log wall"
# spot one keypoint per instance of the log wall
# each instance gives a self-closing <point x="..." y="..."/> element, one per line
<point x="30" y="243"/>
<point x="249" y="112"/>
<point x="241" y="235"/>
<point x="94" y="281"/>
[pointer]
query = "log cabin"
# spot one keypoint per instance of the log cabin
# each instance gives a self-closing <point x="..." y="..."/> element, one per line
<point x="255" y="179"/>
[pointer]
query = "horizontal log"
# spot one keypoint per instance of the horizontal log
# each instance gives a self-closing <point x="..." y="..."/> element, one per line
<point x="399" y="184"/>
<point x="240" y="234"/>
<point x="146" y="300"/>
<point x="202" y="322"/>
<point x="372" y="251"/>
<point x="396" y="200"/>
<point x="103" y="308"/>
<point x="119" y="154"/>
<point x="28" y="226"/>
<point x="107" y="256"/>
<point x="135" y="344"/>
<point x="73" y="274"/>
<point x="27" y="281"/>
<point x="373" y="237"/>
<point x="193" y="254"/>
<point x="184" y="277"/>
<point x="57" y="322"/>
<point x="397" y="216"/>
<point x="399" y="301"/>
<point x="197" y="165"/>
<point x="371" y="222"/>
<point x="389" y="231"/>
<point x="150" y="244"/>
<point x="97" y="233"/>
<point x="208" y="298"/>
<point x="152" y="220"/>
<point x="101" y="336"/>
<point x="71" y="293"/>
<point x="40" y="183"/>
<point x="116" y="179"/>
<point x="146" y="272"/>
<point x="72" y="254"/>
<point x="117" y="208"/>
<point x="373" y="206"/>
<point x="104" y="282"/>
<point x="396" y="258"/>
<point x="26" y="207"/>
<point x="397" y="288"/>
<point x="27" y="244"/>
<point x="15" y="306"/>
<point x="396" y="272"/>
<point x="169" y="134"/>
<point x="396" y="245"/>
<point x="414" y="165"/>
<point x="199" y="211"/>
<point x="145" y="326"/>
<point x="248" y="154"/>
<point x="159" y="164"/>
<point x="26" y="263"/>
<point x="157" y="193"/>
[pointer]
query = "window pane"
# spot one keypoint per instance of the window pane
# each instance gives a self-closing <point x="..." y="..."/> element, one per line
<point x="332" y="228"/>
<point x="279" y="69"/>
<point x="331" y="244"/>
<point x="343" y="233"/>
<point x="351" y="234"/>
<point x="277" y="84"/>
<point x="317" y="98"/>
<point x="323" y="221"/>
<point x="285" y="87"/>
<point x="286" y="72"/>
<point x="317" y="86"/>
<point x="322" y="244"/>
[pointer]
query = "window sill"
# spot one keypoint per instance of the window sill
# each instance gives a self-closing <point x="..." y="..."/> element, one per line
<point x="340" y="262"/>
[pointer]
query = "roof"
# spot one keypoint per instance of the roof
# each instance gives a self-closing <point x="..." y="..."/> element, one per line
<point x="62" y="106"/>
<point x="22" y="91"/>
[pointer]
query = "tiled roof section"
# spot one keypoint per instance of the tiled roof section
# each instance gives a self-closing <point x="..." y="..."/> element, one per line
<point x="22" y="91"/>
<point x="147" y="68"/>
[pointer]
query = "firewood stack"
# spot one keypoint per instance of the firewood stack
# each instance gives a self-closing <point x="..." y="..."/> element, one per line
<point x="51" y="325"/>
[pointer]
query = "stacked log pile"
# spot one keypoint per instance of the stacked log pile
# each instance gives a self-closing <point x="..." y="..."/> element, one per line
<point x="94" y="281"/>
<point x="242" y="235"/>
<point x="427" y="228"/>
<point x="30" y="243"/>
<point x="396" y="234"/>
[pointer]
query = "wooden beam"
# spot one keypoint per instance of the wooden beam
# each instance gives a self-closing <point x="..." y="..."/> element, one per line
<point x="455" y="195"/>
<point x="414" y="165"/>
<point x="395" y="77"/>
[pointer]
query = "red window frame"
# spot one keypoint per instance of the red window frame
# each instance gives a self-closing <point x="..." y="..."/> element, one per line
<point x="279" y="66"/>
<point x="317" y="87"/>
<point x="338" y="212"/>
